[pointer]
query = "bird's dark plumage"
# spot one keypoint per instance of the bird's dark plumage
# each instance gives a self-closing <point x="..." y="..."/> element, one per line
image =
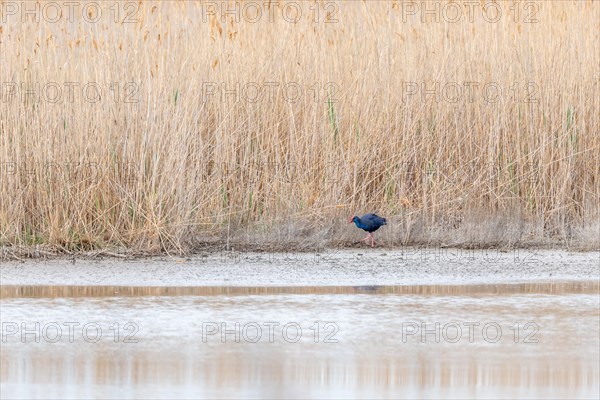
<point x="369" y="222"/>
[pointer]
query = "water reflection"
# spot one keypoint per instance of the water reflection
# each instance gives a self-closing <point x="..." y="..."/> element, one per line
<point x="574" y="287"/>
<point x="142" y="374"/>
<point x="372" y="356"/>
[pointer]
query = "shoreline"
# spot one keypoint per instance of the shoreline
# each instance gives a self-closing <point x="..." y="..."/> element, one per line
<point x="330" y="267"/>
<point x="47" y="252"/>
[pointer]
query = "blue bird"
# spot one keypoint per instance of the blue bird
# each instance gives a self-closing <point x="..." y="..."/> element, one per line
<point x="369" y="223"/>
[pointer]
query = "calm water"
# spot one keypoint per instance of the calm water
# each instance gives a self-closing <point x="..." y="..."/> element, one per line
<point x="520" y="341"/>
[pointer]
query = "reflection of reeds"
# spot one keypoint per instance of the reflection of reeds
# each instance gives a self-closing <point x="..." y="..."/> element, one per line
<point x="583" y="287"/>
<point x="208" y="369"/>
<point x="174" y="166"/>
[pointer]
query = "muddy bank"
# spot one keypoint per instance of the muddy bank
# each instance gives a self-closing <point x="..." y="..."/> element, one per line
<point x="480" y="231"/>
<point x="325" y="268"/>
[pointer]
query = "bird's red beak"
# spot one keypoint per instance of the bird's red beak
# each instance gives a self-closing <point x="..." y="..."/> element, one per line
<point x="350" y="219"/>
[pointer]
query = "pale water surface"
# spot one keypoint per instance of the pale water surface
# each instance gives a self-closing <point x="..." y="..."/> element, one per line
<point x="315" y="341"/>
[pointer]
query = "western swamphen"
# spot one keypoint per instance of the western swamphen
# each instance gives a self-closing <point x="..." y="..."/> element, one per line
<point x="369" y="223"/>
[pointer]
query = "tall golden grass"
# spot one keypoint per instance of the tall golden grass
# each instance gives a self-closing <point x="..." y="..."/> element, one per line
<point x="158" y="164"/>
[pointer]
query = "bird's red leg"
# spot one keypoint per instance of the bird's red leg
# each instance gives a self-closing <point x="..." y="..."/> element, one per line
<point x="367" y="238"/>
<point x="372" y="240"/>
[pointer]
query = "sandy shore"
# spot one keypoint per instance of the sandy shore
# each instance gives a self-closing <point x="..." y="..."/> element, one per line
<point x="330" y="267"/>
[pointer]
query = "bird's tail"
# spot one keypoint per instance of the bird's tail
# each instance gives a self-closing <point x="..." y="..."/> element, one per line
<point x="384" y="221"/>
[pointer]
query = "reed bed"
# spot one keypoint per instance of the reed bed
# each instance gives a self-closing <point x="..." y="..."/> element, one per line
<point x="212" y="129"/>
